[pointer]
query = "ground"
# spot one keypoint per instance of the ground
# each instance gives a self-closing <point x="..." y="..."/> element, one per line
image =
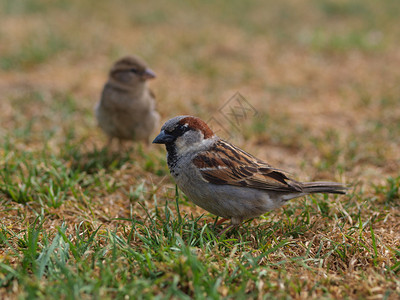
<point x="320" y="85"/>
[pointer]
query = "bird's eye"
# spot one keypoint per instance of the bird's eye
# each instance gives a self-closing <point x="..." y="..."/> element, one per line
<point x="179" y="130"/>
<point x="133" y="70"/>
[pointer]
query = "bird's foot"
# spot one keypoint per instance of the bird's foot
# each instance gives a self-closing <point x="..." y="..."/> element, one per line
<point x="226" y="229"/>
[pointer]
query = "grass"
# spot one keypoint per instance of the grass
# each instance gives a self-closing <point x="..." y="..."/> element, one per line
<point x="79" y="222"/>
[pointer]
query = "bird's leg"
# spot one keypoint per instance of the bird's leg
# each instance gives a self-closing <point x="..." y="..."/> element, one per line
<point x="109" y="145"/>
<point x="146" y="143"/>
<point x="144" y="147"/>
<point x="109" y="142"/>
<point x="218" y="222"/>
<point x="226" y="229"/>
<point x="120" y="146"/>
<point x="222" y="220"/>
<point x="235" y="222"/>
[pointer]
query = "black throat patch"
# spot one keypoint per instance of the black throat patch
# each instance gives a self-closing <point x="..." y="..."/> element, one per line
<point x="172" y="158"/>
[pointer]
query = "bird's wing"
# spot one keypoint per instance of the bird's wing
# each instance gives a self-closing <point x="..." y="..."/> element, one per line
<point x="227" y="164"/>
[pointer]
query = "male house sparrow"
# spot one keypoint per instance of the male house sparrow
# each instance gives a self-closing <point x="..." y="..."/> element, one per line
<point x="126" y="110"/>
<point x="225" y="180"/>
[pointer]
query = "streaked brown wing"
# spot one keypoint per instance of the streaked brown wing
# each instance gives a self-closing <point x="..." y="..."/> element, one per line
<point x="227" y="164"/>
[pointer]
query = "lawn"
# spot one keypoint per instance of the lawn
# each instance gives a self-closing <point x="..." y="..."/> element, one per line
<point x="316" y="90"/>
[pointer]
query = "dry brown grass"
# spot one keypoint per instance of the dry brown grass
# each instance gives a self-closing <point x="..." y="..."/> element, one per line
<point x="323" y="76"/>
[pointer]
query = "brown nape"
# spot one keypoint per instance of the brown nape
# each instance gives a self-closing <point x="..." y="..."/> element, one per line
<point x="127" y="62"/>
<point x="131" y="60"/>
<point x="194" y="122"/>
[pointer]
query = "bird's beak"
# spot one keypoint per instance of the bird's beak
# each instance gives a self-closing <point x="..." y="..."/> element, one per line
<point x="148" y="74"/>
<point x="163" y="138"/>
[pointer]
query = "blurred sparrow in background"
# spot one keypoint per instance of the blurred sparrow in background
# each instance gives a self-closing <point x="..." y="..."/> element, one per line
<point x="224" y="179"/>
<point x="126" y="110"/>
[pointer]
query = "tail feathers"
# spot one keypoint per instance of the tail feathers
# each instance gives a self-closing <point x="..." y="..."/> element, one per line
<point x="324" y="187"/>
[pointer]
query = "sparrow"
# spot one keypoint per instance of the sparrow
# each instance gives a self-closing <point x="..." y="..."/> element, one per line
<point x="225" y="180"/>
<point x="126" y="110"/>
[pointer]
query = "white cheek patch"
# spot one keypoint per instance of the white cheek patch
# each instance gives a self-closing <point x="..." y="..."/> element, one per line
<point x="185" y="144"/>
<point x="181" y="146"/>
